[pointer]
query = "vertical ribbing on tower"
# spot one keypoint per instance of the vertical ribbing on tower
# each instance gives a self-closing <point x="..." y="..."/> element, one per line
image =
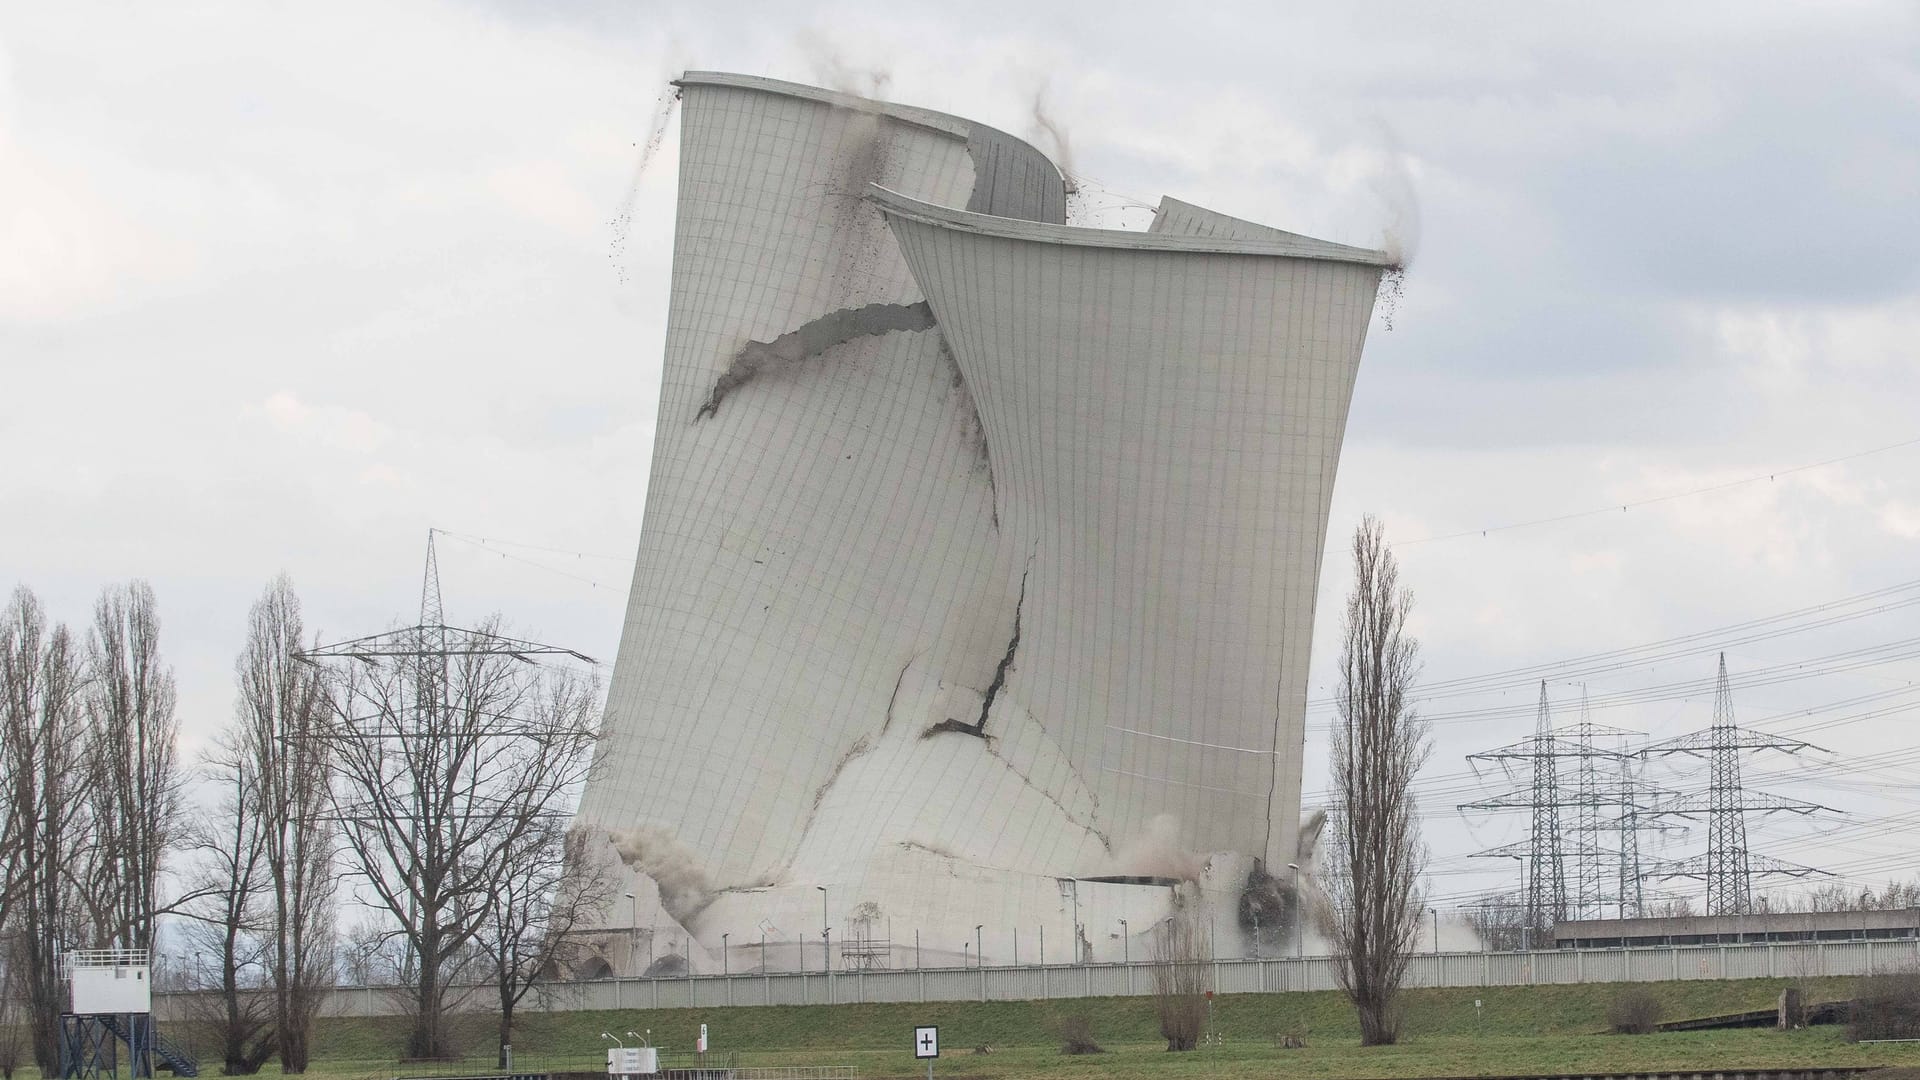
<point x="1729" y="886"/>
<point x="1546" y="871"/>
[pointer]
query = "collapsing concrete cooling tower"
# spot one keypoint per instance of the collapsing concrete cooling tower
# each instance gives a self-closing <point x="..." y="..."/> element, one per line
<point x="977" y="576"/>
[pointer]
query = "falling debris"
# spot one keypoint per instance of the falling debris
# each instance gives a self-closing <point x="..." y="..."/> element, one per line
<point x="622" y="222"/>
<point x="1392" y="282"/>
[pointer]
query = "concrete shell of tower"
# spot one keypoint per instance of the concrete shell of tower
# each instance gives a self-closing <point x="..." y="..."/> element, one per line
<point x="1172" y="408"/>
<point x="911" y="459"/>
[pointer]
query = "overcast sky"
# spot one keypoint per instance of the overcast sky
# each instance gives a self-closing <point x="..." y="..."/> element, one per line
<point x="280" y="289"/>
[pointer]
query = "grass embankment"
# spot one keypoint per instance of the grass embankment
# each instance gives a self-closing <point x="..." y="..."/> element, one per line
<point x="1542" y="1029"/>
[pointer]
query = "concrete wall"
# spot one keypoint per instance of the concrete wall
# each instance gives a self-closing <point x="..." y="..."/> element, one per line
<point x="1699" y="929"/>
<point x="1230" y="977"/>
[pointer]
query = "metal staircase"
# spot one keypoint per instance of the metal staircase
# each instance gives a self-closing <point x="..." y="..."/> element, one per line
<point x="90" y="1047"/>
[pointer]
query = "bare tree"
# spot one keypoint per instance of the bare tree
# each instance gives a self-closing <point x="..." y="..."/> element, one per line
<point x="454" y="750"/>
<point x="43" y="764"/>
<point x="1677" y="907"/>
<point x="1181" y="979"/>
<point x="372" y="954"/>
<point x="1500" y="921"/>
<point x="1897" y="896"/>
<point x="232" y="897"/>
<point x="541" y="895"/>
<point x="13" y="1036"/>
<point x="135" y="789"/>
<point x="283" y="746"/>
<point x="1378" y="745"/>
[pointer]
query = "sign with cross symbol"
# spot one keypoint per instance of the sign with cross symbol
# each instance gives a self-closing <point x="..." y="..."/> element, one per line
<point x="926" y="1042"/>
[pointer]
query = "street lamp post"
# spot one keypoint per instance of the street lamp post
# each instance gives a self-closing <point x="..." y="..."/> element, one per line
<point x="1436" y="930"/>
<point x="633" y="929"/>
<point x="1076" y="922"/>
<point x="1126" y="944"/>
<point x="1299" y="911"/>
<point x="979" y="953"/>
<point x="725" y="968"/>
<point x="826" y="933"/>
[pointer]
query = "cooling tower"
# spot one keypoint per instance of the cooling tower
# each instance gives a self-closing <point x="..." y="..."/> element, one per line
<point x="976" y="583"/>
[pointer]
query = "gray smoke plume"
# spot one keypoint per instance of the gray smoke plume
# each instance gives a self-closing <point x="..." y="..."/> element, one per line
<point x="684" y="885"/>
<point x="1051" y="138"/>
<point x="835" y="72"/>
<point x="1393" y="185"/>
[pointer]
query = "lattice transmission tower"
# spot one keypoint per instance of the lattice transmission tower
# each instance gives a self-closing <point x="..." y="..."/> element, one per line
<point x="427" y="651"/>
<point x="1728" y="866"/>
<point x="1580" y="789"/>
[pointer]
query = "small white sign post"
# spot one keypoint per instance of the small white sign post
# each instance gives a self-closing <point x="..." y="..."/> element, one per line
<point x="926" y="1044"/>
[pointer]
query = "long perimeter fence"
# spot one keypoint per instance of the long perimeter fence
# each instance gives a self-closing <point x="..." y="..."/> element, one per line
<point x="1268" y="976"/>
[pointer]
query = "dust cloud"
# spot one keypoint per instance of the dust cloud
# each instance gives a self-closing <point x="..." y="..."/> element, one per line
<point x="1158" y="852"/>
<point x="835" y="72"/>
<point x="684" y="885"/>
<point x="1393" y="186"/>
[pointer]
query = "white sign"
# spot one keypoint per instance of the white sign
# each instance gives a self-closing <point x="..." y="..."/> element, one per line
<point x="702" y="1045"/>
<point x="632" y="1061"/>
<point x="926" y="1042"/>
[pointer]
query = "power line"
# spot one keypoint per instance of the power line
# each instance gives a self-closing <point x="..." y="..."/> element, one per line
<point x="1619" y="508"/>
<point x="1895" y="597"/>
<point x="490" y="541"/>
<point x="487" y="544"/>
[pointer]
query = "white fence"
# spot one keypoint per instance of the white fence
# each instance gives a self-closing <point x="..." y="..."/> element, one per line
<point x="1654" y="964"/>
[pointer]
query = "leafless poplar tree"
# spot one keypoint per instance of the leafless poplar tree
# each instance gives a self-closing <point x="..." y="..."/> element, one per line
<point x="1378" y="745"/>
<point x="284" y="748"/>
<point x="43" y="764"/>
<point x="453" y="757"/>
<point x="232" y="891"/>
<point x="135" y="789"/>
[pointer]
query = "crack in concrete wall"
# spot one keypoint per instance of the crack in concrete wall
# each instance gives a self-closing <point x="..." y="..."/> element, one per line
<point x="999" y="682"/>
<point x="861" y="746"/>
<point x="978" y="729"/>
<point x="887" y="721"/>
<point x="1105" y="842"/>
<point x="834" y="328"/>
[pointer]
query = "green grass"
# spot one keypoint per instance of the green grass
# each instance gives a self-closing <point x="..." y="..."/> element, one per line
<point x="1516" y="1029"/>
<point x="1542" y="1029"/>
